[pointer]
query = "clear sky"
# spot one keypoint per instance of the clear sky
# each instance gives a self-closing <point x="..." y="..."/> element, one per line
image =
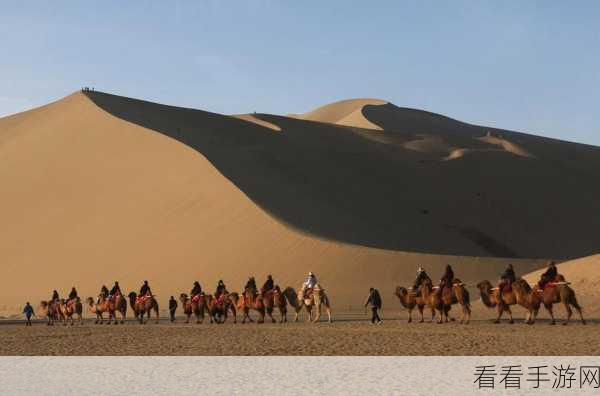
<point x="531" y="66"/>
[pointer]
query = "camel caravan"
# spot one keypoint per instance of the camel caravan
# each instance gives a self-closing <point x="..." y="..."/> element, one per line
<point x="217" y="307"/>
<point x="551" y="289"/>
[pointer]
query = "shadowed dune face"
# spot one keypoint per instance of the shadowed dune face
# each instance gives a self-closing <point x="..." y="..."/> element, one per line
<point x="89" y="198"/>
<point x="366" y="187"/>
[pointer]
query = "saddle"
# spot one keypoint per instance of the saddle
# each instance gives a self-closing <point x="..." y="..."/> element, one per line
<point x="196" y="297"/>
<point x="71" y="302"/>
<point x="221" y="298"/>
<point x="142" y="299"/>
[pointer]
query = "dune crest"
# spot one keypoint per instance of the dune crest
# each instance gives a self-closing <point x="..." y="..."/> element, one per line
<point x="254" y="119"/>
<point x="345" y="112"/>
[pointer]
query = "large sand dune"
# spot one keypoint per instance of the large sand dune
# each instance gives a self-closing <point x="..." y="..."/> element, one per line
<point x="98" y="187"/>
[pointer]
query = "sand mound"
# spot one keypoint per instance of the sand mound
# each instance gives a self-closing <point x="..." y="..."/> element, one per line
<point x="584" y="275"/>
<point x="506" y="145"/>
<point x="90" y="198"/>
<point x="345" y="112"/>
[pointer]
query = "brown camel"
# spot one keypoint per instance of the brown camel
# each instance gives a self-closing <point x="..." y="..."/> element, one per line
<point x="218" y="308"/>
<point x="251" y="300"/>
<point x="143" y="305"/>
<point x="309" y="301"/>
<point x="112" y="305"/>
<point x="557" y="291"/>
<point x="50" y="310"/>
<point x="490" y="296"/>
<point x="275" y="299"/>
<point x="410" y="300"/>
<point x="68" y="308"/>
<point x="195" y="307"/>
<point x="442" y="302"/>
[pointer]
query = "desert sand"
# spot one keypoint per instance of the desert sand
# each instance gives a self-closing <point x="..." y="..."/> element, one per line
<point x="98" y="188"/>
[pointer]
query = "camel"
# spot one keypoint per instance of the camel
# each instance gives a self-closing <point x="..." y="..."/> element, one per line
<point x="442" y="302"/>
<point x="217" y="310"/>
<point x="50" y="310"/>
<point x="251" y="300"/>
<point x="315" y="299"/>
<point x="143" y="305"/>
<point x="410" y="300"/>
<point x="557" y="291"/>
<point x="116" y="303"/>
<point x="275" y="299"/>
<point x="68" y="308"/>
<point x="490" y="296"/>
<point x="195" y="307"/>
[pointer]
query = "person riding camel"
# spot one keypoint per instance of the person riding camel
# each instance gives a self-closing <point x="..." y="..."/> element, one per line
<point x="196" y="290"/>
<point x="507" y="278"/>
<point x="55" y="296"/>
<point x="268" y="285"/>
<point x="145" y="289"/>
<point x="421" y="276"/>
<point x="72" y="296"/>
<point x="104" y="292"/>
<point x="221" y="289"/>
<point x="309" y="285"/>
<point x="251" y="285"/>
<point x="548" y="276"/>
<point x="446" y="280"/>
<point x="115" y="289"/>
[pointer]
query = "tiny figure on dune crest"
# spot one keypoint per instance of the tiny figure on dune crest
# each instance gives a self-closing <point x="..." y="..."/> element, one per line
<point x="28" y="311"/>
<point x="374" y="301"/>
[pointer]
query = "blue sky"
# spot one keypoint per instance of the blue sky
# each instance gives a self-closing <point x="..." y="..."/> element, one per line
<point x="532" y="66"/>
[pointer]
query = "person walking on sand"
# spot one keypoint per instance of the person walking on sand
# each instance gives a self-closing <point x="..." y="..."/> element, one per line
<point x="28" y="311"/>
<point x="172" y="308"/>
<point x="374" y="301"/>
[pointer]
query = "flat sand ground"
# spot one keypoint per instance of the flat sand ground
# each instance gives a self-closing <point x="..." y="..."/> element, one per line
<point x="348" y="335"/>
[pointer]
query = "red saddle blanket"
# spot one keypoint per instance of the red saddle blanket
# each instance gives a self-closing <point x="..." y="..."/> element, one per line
<point x="141" y="299"/>
<point x="196" y="297"/>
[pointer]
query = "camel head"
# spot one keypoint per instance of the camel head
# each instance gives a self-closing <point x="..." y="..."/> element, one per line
<point x="90" y="301"/>
<point x="484" y="286"/>
<point x="400" y="291"/>
<point x="183" y="297"/>
<point x="44" y="304"/>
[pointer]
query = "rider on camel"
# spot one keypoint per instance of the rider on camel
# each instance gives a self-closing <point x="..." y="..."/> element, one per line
<point x="220" y="289"/>
<point x="446" y="280"/>
<point x="115" y="289"/>
<point x="55" y="296"/>
<point x="145" y="289"/>
<point x="197" y="289"/>
<point x="548" y="276"/>
<point x="268" y="285"/>
<point x="251" y="284"/>
<point x="104" y="292"/>
<point x="507" y="278"/>
<point x="73" y="295"/>
<point x="310" y="283"/>
<point x="421" y="276"/>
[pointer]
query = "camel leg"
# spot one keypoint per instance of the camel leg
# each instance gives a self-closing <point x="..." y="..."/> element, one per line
<point x="262" y="316"/>
<point x="410" y="316"/>
<point x="510" y="316"/>
<point x="421" y="313"/>
<point x="432" y="315"/>
<point x="157" y="316"/>
<point x="270" y="313"/>
<point x="549" y="309"/>
<point x="328" y="309"/>
<point x="569" y="313"/>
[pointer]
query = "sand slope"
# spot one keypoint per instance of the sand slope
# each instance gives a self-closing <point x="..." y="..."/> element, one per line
<point x="99" y="187"/>
<point x="89" y="198"/>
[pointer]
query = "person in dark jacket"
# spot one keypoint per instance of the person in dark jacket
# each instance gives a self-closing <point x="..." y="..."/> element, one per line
<point x="251" y="284"/>
<point x="220" y="289"/>
<point x="104" y="292"/>
<point x="197" y="289"/>
<point x="507" y="278"/>
<point x="172" y="308"/>
<point x="268" y="285"/>
<point x="115" y="289"/>
<point x="55" y="296"/>
<point x="548" y="276"/>
<point x="28" y="311"/>
<point x="374" y="301"/>
<point x="145" y="289"/>
<point x="421" y="276"/>
<point x="73" y="294"/>
<point x="447" y="279"/>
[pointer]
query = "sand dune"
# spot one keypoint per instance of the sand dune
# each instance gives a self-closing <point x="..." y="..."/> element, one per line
<point x="99" y="187"/>
<point x="345" y="112"/>
<point x="254" y="119"/>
